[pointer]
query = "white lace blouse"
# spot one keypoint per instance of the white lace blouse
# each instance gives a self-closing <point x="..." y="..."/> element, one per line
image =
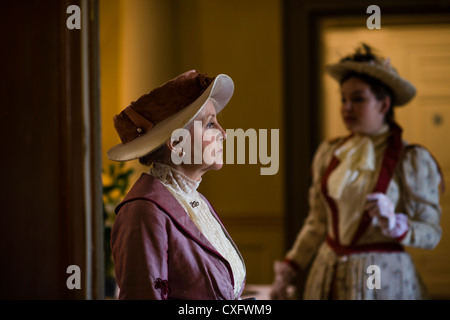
<point x="184" y="190"/>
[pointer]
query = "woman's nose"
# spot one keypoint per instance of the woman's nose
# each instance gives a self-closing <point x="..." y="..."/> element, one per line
<point x="346" y="106"/>
<point x="224" y="133"/>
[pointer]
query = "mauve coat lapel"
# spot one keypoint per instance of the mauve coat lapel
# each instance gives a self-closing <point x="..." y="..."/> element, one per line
<point x="151" y="189"/>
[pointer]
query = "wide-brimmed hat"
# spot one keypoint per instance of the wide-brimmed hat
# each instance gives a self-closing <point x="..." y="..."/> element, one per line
<point x="148" y="122"/>
<point x="376" y="67"/>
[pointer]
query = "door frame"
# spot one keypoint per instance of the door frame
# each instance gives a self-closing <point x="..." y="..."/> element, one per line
<point x="82" y="158"/>
<point x="302" y="21"/>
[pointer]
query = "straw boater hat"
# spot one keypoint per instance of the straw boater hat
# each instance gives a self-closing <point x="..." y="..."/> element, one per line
<point x="148" y="123"/>
<point x="379" y="68"/>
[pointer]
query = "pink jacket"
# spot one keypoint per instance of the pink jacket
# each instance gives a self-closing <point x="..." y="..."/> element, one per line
<point x="159" y="252"/>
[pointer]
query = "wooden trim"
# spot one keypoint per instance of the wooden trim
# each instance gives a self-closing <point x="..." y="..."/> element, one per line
<point x="96" y="151"/>
<point x="72" y="227"/>
<point x="301" y="116"/>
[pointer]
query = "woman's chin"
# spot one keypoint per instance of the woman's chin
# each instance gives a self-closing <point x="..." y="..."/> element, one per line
<point x="211" y="166"/>
<point x="217" y="166"/>
<point x="352" y="127"/>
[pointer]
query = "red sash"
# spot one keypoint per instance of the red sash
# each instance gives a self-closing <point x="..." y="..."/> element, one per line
<point x="390" y="159"/>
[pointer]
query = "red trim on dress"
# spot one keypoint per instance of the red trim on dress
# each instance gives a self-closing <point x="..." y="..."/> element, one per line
<point x="390" y="159"/>
<point x="400" y="238"/>
<point x="341" y="250"/>
<point x="294" y="265"/>
<point x="333" y="207"/>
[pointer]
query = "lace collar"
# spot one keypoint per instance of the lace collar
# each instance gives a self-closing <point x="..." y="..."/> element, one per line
<point x="174" y="179"/>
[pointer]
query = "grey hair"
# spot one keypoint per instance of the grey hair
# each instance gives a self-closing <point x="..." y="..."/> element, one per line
<point x="158" y="155"/>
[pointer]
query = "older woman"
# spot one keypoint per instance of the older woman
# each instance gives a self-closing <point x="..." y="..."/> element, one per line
<point x="167" y="240"/>
<point x="372" y="194"/>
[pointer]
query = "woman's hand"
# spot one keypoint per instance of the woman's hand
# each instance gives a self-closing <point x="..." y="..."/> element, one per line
<point x="284" y="274"/>
<point x="379" y="206"/>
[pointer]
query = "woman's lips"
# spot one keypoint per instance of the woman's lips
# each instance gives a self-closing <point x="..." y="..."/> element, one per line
<point x="349" y="119"/>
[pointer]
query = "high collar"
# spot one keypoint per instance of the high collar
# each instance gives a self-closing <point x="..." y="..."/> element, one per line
<point x="379" y="137"/>
<point x="174" y="179"/>
<point x="357" y="154"/>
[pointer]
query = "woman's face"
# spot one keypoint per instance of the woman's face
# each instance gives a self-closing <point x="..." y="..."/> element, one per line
<point x="361" y="111"/>
<point x="207" y="138"/>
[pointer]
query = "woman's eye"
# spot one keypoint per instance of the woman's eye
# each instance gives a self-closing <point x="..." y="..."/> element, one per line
<point x="358" y="99"/>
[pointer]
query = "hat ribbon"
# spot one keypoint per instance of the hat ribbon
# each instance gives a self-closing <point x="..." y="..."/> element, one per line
<point x="139" y="121"/>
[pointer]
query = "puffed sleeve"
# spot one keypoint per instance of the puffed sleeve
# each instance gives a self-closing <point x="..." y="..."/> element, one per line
<point x="421" y="181"/>
<point x="314" y="229"/>
<point x="139" y="247"/>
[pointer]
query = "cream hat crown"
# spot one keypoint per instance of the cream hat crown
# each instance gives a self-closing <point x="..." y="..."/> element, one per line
<point x="365" y="62"/>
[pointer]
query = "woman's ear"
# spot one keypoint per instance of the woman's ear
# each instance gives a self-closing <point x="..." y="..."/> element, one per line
<point x="171" y="144"/>
<point x="176" y="147"/>
<point x="386" y="104"/>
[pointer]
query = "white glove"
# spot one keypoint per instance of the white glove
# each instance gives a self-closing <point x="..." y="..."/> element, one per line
<point x="380" y="207"/>
<point x="284" y="274"/>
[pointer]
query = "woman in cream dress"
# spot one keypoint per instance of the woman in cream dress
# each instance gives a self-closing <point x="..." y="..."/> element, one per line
<point x="372" y="194"/>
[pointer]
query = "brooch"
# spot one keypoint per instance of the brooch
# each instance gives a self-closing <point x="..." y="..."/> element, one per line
<point x="164" y="286"/>
<point x="194" y="204"/>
